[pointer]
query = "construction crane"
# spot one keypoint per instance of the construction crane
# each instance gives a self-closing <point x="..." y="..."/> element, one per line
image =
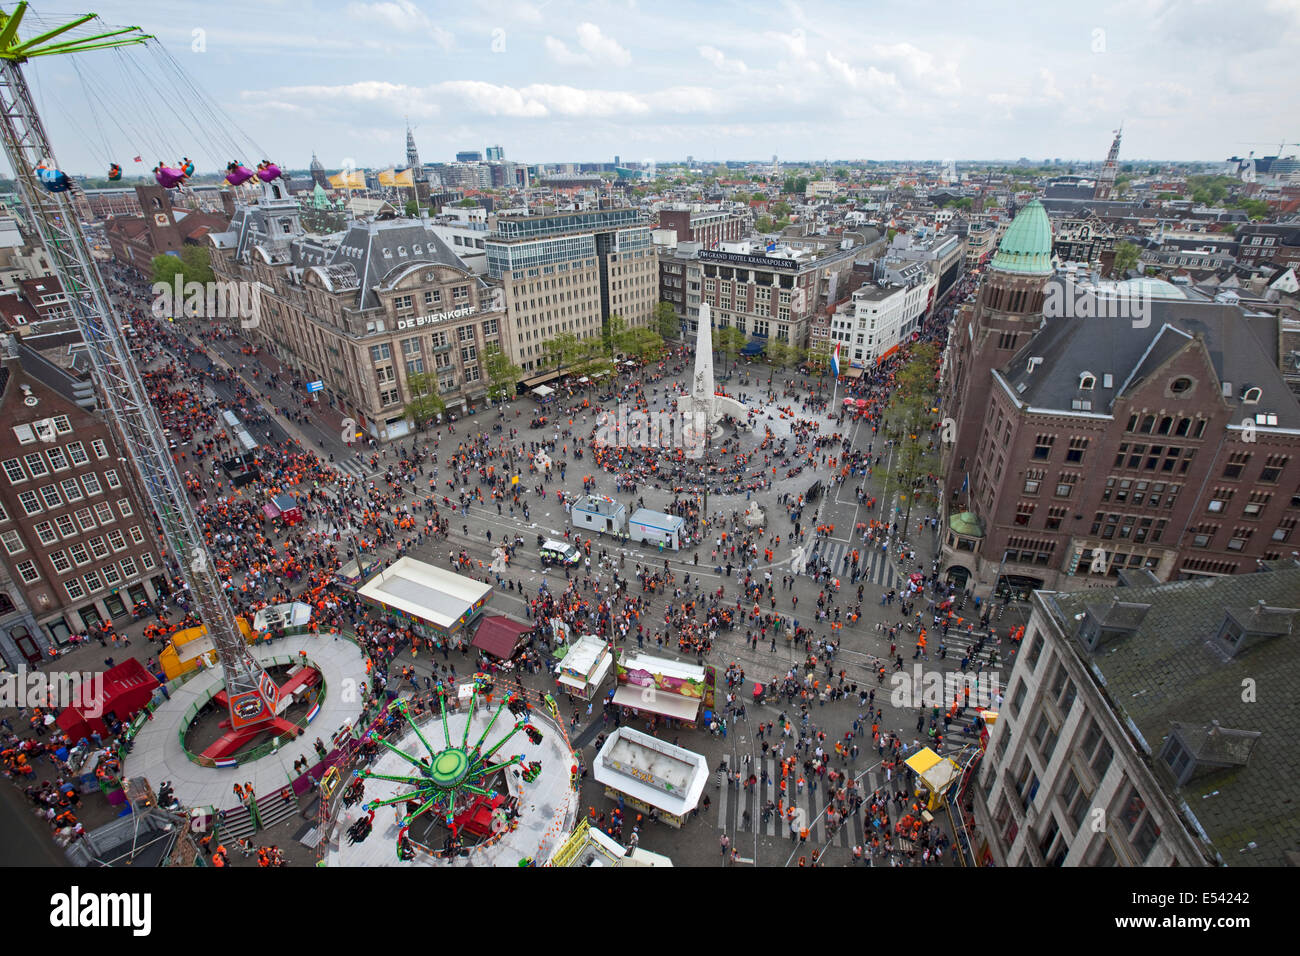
<point x="251" y="695"/>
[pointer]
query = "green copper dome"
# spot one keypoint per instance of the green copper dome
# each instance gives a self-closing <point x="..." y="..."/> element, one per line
<point x="968" y="524"/>
<point x="1026" y="249"/>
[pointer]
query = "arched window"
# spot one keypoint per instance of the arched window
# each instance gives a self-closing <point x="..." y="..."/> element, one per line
<point x="1184" y="426"/>
<point x="1166" y="424"/>
<point x="6" y="603"/>
<point x="1087" y="380"/>
<point x="1252" y="396"/>
<point x="1148" y="424"/>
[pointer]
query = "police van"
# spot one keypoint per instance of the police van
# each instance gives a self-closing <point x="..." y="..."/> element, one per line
<point x="559" y="552"/>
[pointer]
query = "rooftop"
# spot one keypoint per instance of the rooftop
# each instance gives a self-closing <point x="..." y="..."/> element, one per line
<point x="1026" y="247"/>
<point x="1173" y="673"/>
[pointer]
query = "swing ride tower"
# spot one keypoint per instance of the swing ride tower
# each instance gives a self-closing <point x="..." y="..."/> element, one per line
<point x="251" y="695"/>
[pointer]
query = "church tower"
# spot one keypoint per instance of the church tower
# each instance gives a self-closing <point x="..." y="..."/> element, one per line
<point x="1006" y="313"/>
<point x="1106" y="181"/>
<point x="413" y="157"/>
<point x="318" y="173"/>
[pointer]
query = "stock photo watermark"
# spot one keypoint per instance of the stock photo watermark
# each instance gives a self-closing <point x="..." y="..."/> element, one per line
<point x="209" y="300"/>
<point x="83" y="690"/>
<point x="925" y="687"/>
<point x="1064" y="301"/>
<point x="638" y="428"/>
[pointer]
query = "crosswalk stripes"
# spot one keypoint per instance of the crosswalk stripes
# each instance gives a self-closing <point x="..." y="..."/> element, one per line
<point x="878" y="568"/>
<point x="354" y="467"/>
<point x="810" y="806"/>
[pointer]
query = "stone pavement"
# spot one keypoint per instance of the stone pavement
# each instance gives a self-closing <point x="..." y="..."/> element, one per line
<point x="157" y="754"/>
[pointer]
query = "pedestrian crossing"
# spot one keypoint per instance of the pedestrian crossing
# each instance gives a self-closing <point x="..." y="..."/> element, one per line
<point x="354" y="467"/>
<point x="876" y="564"/>
<point x="741" y="809"/>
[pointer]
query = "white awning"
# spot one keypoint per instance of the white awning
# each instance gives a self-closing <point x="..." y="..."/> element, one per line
<point x="666" y="705"/>
<point x="541" y="391"/>
<point x="594" y="679"/>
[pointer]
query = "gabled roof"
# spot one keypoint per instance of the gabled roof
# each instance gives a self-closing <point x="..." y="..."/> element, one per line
<point x="376" y="249"/>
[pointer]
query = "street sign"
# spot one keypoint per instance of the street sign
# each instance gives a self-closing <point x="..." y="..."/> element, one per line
<point x="315" y="386"/>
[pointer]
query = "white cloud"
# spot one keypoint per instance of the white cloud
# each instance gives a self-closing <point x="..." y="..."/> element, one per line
<point x="918" y="68"/>
<point x="721" y="61"/>
<point x="603" y="49"/>
<point x="401" y="16"/>
<point x="598" y="48"/>
<point x="869" y="80"/>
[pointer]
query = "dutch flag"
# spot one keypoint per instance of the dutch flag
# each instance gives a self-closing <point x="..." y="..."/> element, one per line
<point x="835" y="361"/>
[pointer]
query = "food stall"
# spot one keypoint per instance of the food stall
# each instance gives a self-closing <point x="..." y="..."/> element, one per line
<point x="651" y="774"/>
<point x="284" y="507"/>
<point x="935" y="772"/>
<point x="435" y="603"/>
<point x="583" y="666"/>
<point x="660" y="686"/>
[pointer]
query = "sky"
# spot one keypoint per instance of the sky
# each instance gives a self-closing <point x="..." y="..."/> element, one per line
<point x="555" y="81"/>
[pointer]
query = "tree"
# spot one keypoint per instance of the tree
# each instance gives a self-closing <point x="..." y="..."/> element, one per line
<point x="776" y="352"/>
<point x="1126" y="257"/>
<point x="667" y="320"/>
<point x="198" y="264"/>
<point x="412" y="208"/>
<point x="818" y="356"/>
<point x="502" y="373"/>
<point x="646" y="344"/>
<point x="909" y="420"/>
<point x="425" y="404"/>
<point x="729" y="341"/>
<point x="781" y="209"/>
<point x="765" y="223"/>
<point x="592" y="359"/>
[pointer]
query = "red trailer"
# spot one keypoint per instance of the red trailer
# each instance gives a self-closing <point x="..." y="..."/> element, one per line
<point x="284" y="507"/>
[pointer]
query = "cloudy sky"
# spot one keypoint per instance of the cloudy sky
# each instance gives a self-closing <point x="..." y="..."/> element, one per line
<point x="552" y="80"/>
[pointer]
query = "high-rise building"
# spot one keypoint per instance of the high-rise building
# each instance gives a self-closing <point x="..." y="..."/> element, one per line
<point x="495" y="154"/>
<point x="469" y="156"/>
<point x="570" y="272"/>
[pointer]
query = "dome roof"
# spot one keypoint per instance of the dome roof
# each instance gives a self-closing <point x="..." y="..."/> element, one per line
<point x="968" y="524"/>
<point x="1026" y="249"/>
<point x="315" y="163"/>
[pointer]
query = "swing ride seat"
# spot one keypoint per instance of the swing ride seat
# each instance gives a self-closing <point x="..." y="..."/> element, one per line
<point x="238" y="174"/>
<point x="269" y="173"/>
<point x="169" y="177"/>
<point x="54" y="180"/>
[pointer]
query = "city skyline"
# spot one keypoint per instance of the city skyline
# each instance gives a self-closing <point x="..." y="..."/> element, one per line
<point x="575" y="82"/>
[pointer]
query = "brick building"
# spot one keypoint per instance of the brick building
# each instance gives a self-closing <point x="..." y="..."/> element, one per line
<point x="708" y="227"/>
<point x="1084" y="446"/>
<point x="75" y="539"/>
<point x="162" y="229"/>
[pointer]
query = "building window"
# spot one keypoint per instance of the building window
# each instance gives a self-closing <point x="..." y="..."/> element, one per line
<point x="45" y="532"/>
<point x="147" y="561"/>
<point x="72" y="490"/>
<point x="1143" y="833"/>
<point x="1043" y="447"/>
<point x="80" y="556"/>
<point x="1077" y="447"/>
<point x="124" y="507"/>
<point x="116" y="540"/>
<point x="112" y="577"/>
<point x="14" y="469"/>
<point x="1018" y="698"/>
<point x="129" y="568"/>
<point x="100" y="449"/>
<point x="77" y="452"/>
<point x="28" y="573"/>
<point x="67" y="528"/>
<point x="93" y="582"/>
<point x="111" y="478"/>
<point x="1035" y="650"/>
<point x="85" y="519"/>
<point x="74" y="589"/>
<point x="13" y="542"/>
<point x="30" y="502"/>
<point x="60" y="562"/>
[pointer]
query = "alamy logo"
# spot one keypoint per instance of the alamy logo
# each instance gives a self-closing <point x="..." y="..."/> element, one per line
<point x="58" y="689"/>
<point x="638" y="428"/>
<point x="210" y="300"/>
<point x="932" y="688"/>
<point x="1067" y="301"/>
<point x="76" y="909"/>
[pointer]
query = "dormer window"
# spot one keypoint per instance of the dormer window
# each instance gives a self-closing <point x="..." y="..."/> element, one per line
<point x="1251" y="396"/>
<point x="1087" y="381"/>
<point x="1180" y="385"/>
<point x="401" y="250"/>
<point x="417" y="248"/>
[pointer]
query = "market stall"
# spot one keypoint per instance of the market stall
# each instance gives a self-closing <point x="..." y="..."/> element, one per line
<point x="651" y="775"/>
<point x="583" y="666"/>
<point x="935" y="773"/>
<point x="436" y="603"/>
<point x="500" y="636"/>
<point x="660" y="686"/>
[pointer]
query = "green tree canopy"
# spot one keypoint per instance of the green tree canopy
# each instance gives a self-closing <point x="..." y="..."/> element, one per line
<point x="1126" y="257"/>
<point x="503" y="375"/>
<point x="425" y="404"/>
<point x="667" y="321"/>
